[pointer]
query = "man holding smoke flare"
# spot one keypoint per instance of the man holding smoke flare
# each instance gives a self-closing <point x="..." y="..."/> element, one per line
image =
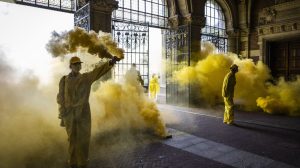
<point x="74" y="108"/>
<point x="228" y="93"/>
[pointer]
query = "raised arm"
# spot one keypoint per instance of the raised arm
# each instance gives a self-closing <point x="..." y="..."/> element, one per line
<point x="101" y="70"/>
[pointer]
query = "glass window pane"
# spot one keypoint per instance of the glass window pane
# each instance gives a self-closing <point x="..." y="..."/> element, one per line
<point x="214" y="31"/>
<point x="134" y="16"/>
<point x="134" y="5"/>
<point x="148" y="7"/>
<point x="155" y="9"/>
<point x="142" y="18"/>
<point x="127" y="4"/>
<point x="142" y="6"/>
<point x="152" y="8"/>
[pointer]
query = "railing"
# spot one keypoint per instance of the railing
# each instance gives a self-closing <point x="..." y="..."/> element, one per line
<point x="58" y="5"/>
<point x="82" y="17"/>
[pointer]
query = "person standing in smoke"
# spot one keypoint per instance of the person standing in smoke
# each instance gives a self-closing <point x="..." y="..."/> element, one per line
<point x="133" y="68"/>
<point x="228" y="93"/>
<point x="154" y="87"/>
<point x="74" y="108"/>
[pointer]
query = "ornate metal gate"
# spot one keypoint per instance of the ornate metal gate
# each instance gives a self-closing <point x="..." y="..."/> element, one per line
<point x="134" y="39"/>
<point x="177" y="44"/>
<point x="58" y="5"/>
<point x="82" y="17"/>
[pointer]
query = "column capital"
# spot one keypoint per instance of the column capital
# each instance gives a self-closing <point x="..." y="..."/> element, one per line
<point x="173" y="21"/>
<point x="106" y="6"/>
<point x="187" y="19"/>
<point x="233" y="32"/>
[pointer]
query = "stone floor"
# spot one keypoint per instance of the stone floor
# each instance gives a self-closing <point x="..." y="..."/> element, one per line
<point x="200" y="139"/>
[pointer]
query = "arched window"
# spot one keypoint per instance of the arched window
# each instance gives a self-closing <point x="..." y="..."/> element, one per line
<point x="215" y="28"/>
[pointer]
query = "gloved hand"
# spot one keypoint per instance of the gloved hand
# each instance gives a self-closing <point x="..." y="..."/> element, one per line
<point x="114" y="60"/>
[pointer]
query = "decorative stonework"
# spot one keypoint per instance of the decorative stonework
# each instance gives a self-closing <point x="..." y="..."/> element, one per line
<point x="173" y="21"/>
<point x="279" y="18"/>
<point x="199" y="21"/>
<point x="104" y="5"/>
<point x="233" y="32"/>
<point x="267" y="16"/>
<point x="280" y="28"/>
<point x="187" y="19"/>
<point x="282" y="1"/>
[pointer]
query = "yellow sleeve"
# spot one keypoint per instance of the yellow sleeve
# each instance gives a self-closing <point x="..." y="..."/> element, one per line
<point x="228" y="85"/>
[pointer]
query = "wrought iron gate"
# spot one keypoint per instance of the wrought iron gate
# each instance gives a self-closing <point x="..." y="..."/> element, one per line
<point x="82" y="17"/>
<point x="177" y="44"/>
<point x="134" y="39"/>
<point x="58" y="5"/>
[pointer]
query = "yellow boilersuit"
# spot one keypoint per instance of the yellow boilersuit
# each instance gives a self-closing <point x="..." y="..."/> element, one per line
<point x="154" y="87"/>
<point x="74" y="92"/>
<point x="228" y="94"/>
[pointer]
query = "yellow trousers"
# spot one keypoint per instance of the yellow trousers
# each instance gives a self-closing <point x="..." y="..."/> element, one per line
<point x="228" y="113"/>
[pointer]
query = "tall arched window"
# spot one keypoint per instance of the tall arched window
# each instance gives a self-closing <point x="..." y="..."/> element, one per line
<point x="215" y="28"/>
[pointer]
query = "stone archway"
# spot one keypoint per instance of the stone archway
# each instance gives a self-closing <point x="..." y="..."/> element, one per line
<point x="231" y="18"/>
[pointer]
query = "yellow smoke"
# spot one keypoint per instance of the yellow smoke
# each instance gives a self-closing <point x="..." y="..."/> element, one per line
<point x="282" y="98"/>
<point x="29" y="133"/>
<point x="252" y="88"/>
<point x="29" y="124"/>
<point x="72" y="41"/>
<point x="125" y="106"/>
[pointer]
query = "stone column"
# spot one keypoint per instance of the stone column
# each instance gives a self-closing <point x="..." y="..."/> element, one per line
<point x="100" y="14"/>
<point x="197" y="23"/>
<point x="233" y="41"/>
<point x="100" y="19"/>
<point x="173" y="17"/>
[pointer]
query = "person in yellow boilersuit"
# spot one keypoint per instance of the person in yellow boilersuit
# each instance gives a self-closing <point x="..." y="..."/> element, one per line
<point x="154" y="87"/>
<point x="228" y="94"/>
<point x="74" y="108"/>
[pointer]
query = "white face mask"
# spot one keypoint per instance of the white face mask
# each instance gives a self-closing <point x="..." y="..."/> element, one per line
<point x="75" y="67"/>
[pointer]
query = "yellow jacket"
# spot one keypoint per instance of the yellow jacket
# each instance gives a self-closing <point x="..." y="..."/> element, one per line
<point x="154" y="85"/>
<point x="228" y="85"/>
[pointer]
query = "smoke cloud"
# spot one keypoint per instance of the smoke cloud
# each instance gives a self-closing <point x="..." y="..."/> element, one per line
<point x="252" y="89"/>
<point x="282" y="98"/>
<point x="125" y="106"/>
<point x="29" y="124"/>
<point x="72" y="41"/>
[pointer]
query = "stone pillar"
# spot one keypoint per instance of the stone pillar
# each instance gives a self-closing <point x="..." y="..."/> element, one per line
<point x="197" y="23"/>
<point x="173" y="17"/>
<point x="233" y="41"/>
<point x="100" y="14"/>
<point x="100" y="19"/>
